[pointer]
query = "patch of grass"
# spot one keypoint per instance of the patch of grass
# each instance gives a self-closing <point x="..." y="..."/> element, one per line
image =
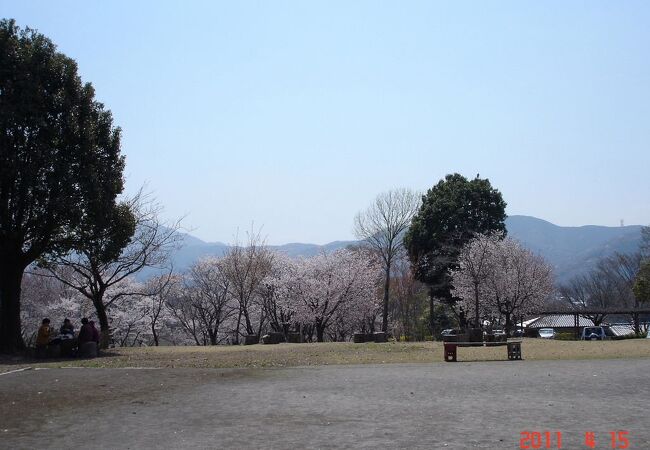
<point x="292" y="355"/>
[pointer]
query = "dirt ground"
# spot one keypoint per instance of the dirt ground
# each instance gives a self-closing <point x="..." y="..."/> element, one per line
<point x="296" y="355"/>
<point x="446" y="405"/>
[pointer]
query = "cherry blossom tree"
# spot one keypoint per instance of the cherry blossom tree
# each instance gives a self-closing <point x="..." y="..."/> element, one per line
<point x="156" y="313"/>
<point x="137" y="319"/>
<point x="278" y="293"/>
<point x="203" y="302"/>
<point x="210" y="295"/>
<point x="519" y="281"/>
<point x="342" y="285"/>
<point x="499" y="277"/>
<point x="185" y="315"/>
<point x="475" y="263"/>
<point x="128" y="321"/>
<point x="100" y="269"/>
<point x="44" y="296"/>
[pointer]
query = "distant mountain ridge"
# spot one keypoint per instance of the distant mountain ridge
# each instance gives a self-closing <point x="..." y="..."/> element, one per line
<point x="570" y="250"/>
<point x="194" y="248"/>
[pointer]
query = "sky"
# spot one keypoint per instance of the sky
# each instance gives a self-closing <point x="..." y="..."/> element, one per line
<point x="292" y="116"/>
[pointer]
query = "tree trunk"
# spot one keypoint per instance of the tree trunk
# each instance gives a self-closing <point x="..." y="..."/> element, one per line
<point x="259" y="328"/>
<point x="11" y="277"/>
<point x="476" y="306"/>
<point x="236" y="341"/>
<point x="104" y="327"/>
<point x="431" y="317"/>
<point x="508" y="324"/>
<point x="213" y="337"/>
<point x="320" y="331"/>
<point x="155" y="335"/>
<point x="249" y="325"/>
<point x="384" y="317"/>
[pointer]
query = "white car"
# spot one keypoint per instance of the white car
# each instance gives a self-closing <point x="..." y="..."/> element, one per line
<point x="547" y="333"/>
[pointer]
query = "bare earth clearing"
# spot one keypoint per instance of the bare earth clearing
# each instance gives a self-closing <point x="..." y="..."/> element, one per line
<point x="295" y="355"/>
<point x="432" y="406"/>
<point x="266" y="396"/>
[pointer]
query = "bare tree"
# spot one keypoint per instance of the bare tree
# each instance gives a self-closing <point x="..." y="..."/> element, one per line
<point x="408" y="302"/>
<point x="645" y="243"/>
<point x="245" y="266"/>
<point x="642" y="283"/>
<point x="608" y="286"/>
<point x="588" y="292"/>
<point x="619" y="271"/>
<point x="382" y="226"/>
<point x="91" y="273"/>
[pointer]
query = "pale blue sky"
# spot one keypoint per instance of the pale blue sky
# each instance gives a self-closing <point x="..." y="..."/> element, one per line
<point x="296" y="114"/>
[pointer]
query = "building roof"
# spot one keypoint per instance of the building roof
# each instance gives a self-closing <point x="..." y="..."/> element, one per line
<point x="622" y="329"/>
<point x="557" y="321"/>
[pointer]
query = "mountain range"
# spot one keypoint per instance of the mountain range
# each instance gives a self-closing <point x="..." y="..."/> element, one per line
<point x="570" y="250"/>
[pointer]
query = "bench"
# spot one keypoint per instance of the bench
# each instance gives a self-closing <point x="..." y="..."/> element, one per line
<point x="451" y="349"/>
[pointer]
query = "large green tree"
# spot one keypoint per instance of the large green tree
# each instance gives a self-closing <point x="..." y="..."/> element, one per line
<point x="452" y="213"/>
<point x="60" y="162"/>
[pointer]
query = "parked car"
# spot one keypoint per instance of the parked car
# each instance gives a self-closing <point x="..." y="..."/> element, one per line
<point x="494" y="336"/>
<point x="547" y="333"/>
<point x="593" y="334"/>
<point x="453" y="335"/>
<point x="518" y="333"/>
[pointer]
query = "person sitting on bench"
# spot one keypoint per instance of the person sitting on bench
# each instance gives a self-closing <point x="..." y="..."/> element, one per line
<point x="95" y="332"/>
<point x="88" y="339"/>
<point x="67" y="329"/>
<point x="85" y="333"/>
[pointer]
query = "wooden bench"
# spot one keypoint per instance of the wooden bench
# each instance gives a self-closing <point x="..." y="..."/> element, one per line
<point x="451" y="349"/>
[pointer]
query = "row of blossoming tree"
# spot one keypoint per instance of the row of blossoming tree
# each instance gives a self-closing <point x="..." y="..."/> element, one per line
<point x="248" y="291"/>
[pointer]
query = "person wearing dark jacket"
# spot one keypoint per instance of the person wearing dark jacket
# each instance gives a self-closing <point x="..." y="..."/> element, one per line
<point x="67" y="328"/>
<point x="94" y="331"/>
<point x="85" y="333"/>
<point x="88" y="339"/>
